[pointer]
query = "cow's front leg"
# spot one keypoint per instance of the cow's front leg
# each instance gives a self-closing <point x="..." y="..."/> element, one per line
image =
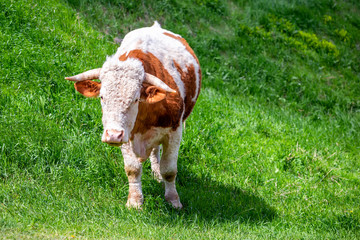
<point x="155" y="163"/>
<point x="168" y="167"/>
<point x="133" y="169"/>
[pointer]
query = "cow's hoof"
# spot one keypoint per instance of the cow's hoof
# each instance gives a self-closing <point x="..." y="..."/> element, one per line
<point x="133" y="204"/>
<point x="174" y="200"/>
<point x="176" y="204"/>
<point x="135" y="201"/>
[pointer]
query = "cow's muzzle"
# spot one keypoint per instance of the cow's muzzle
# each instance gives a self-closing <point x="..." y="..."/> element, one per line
<point x="113" y="137"/>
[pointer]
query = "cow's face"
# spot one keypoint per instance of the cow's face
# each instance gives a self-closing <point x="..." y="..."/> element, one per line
<point x="121" y="84"/>
<point x="124" y="85"/>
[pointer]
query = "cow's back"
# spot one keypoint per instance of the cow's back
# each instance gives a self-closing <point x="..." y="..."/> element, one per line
<point x="169" y="57"/>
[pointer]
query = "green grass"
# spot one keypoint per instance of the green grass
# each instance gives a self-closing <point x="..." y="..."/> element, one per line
<point x="271" y="150"/>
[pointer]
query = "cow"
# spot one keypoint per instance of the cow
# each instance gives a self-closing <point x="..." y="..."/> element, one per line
<point x="148" y="88"/>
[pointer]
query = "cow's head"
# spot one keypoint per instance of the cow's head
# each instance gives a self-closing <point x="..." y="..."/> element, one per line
<point x="123" y="85"/>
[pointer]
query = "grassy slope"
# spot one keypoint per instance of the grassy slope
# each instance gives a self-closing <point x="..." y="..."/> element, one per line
<point x="271" y="150"/>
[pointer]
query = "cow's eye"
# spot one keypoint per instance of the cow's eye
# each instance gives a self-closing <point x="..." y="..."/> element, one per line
<point x="102" y="98"/>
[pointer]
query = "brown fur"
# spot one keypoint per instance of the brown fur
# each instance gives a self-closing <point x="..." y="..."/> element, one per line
<point x="88" y="88"/>
<point x="166" y="113"/>
<point x="200" y="76"/>
<point x="169" y="177"/>
<point x="155" y="94"/>
<point x="132" y="173"/>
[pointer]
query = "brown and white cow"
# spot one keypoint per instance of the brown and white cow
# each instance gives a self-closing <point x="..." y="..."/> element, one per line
<point x="147" y="90"/>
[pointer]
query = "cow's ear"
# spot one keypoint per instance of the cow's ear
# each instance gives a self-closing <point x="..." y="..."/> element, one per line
<point x="88" y="88"/>
<point x="154" y="94"/>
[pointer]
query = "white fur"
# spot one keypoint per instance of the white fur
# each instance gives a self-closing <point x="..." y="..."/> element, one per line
<point x="144" y="143"/>
<point x="120" y="86"/>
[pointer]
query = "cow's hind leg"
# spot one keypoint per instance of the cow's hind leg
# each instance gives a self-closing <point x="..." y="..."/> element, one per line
<point x="155" y="163"/>
<point x="133" y="169"/>
<point x="168" y="167"/>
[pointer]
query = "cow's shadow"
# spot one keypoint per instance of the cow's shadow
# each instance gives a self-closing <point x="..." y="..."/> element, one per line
<point x="208" y="200"/>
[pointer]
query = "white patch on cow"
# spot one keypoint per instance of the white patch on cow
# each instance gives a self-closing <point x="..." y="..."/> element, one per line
<point x="197" y="83"/>
<point x="131" y="162"/>
<point x="142" y="144"/>
<point x="168" y="165"/>
<point x="120" y="87"/>
<point x="155" y="163"/>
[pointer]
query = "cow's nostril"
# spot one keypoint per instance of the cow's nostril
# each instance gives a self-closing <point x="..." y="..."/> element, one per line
<point x="120" y="135"/>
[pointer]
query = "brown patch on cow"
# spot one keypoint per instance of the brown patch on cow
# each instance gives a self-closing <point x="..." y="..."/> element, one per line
<point x="184" y="42"/>
<point x="155" y="94"/>
<point x="169" y="177"/>
<point x="132" y="173"/>
<point x="200" y="76"/>
<point x="166" y="113"/>
<point x="189" y="80"/>
<point x="142" y="160"/>
<point x="88" y="88"/>
<point x="123" y="57"/>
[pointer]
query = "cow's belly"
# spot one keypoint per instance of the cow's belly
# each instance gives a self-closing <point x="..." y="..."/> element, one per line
<point x="142" y="144"/>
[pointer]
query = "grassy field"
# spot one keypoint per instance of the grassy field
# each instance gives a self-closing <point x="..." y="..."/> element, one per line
<point x="271" y="151"/>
